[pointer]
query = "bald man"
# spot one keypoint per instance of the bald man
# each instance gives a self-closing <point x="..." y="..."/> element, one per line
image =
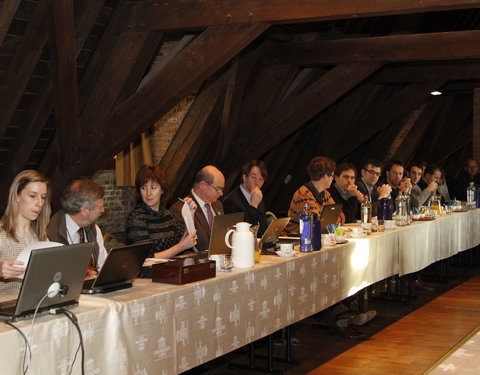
<point x="207" y="189"/>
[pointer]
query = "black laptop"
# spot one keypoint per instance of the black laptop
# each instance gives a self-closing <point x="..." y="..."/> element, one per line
<point x="221" y="225"/>
<point x="121" y="267"/>
<point x="57" y="271"/>
<point x="329" y="215"/>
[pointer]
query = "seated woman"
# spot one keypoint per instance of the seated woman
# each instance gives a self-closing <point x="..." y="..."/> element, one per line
<point x="25" y="221"/>
<point x="151" y="221"/>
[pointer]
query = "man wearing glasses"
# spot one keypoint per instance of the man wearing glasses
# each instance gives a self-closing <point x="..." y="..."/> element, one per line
<point x="207" y="189"/>
<point x="366" y="184"/>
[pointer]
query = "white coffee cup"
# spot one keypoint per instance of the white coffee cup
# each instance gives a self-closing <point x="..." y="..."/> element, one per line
<point x="389" y="224"/>
<point x="286" y="248"/>
<point x="357" y="231"/>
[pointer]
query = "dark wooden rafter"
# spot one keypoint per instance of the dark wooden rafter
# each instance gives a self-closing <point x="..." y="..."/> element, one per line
<point x="380" y="116"/>
<point x="186" y="72"/>
<point x="295" y="112"/>
<point x="42" y="105"/>
<point x="414" y="47"/>
<point x="420" y="73"/>
<point x="64" y="58"/>
<point x="184" y="147"/>
<point x="193" y="14"/>
<point x="7" y="11"/>
<point x="418" y="132"/>
<point x="22" y="64"/>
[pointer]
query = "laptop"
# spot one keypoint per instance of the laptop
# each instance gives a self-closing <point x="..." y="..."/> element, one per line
<point x="329" y="215"/>
<point x="221" y="225"/>
<point x="57" y="271"/>
<point x="121" y="267"/>
<point x="271" y="235"/>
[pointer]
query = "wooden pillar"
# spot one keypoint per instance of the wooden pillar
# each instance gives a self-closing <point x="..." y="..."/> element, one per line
<point x="476" y="124"/>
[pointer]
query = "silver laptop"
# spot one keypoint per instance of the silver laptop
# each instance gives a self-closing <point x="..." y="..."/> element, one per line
<point x="221" y="225"/>
<point x="57" y="271"/>
<point x="274" y="230"/>
<point x="121" y="267"/>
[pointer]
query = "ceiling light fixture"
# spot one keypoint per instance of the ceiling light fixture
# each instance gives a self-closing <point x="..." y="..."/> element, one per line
<point x="436" y="93"/>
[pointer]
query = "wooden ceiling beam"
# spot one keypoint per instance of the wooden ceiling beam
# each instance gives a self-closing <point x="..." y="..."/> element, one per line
<point x="7" y="11"/>
<point x="293" y="113"/>
<point x="452" y="71"/>
<point x="199" y="14"/>
<point x="395" y="48"/>
<point x="187" y="71"/>
<point x="22" y="64"/>
<point x="64" y="59"/>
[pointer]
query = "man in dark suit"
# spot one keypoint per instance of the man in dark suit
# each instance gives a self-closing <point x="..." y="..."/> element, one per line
<point x="248" y="196"/>
<point x="207" y="189"/>
<point x="370" y="173"/>
<point x="345" y="191"/>
<point x="82" y="204"/>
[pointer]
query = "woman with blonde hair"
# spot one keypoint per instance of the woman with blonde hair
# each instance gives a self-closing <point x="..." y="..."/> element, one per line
<point x="24" y="222"/>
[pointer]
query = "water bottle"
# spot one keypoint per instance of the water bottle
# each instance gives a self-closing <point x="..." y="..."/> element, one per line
<point x="401" y="209"/>
<point x="366" y="210"/>
<point x="306" y="228"/>
<point x="471" y="195"/>
<point x="384" y="210"/>
<point x="316" y="233"/>
<point x="478" y="197"/>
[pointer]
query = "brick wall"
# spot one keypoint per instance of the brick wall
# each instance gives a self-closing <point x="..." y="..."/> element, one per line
<point x="119" y="201"/>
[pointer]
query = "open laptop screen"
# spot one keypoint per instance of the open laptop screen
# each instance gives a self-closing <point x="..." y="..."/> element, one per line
<point x="60" y="268"/>
<point x="220" y="227"/>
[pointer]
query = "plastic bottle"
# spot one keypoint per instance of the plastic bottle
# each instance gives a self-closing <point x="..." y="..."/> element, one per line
<point x="366" y="210"/>
<point x="471" y="195"/>
<point x="306" y="228"/>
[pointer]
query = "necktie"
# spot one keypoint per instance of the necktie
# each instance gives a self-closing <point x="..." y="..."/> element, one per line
<point x="81" y="235"/>
<point x="209" y="214"/>
<point x="91" y="266"/>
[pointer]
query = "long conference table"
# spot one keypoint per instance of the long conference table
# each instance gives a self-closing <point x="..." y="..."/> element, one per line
<point x="156" y="328"/>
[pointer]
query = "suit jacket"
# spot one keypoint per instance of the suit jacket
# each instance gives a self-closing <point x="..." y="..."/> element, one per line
<point x="351" y="206"/>
<point x="235" y="201"/>
<point x="201" y="223"/>
<point x="57" y="231"/>
<point x="362" y="187"/>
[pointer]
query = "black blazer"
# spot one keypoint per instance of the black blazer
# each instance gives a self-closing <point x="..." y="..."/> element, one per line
<point x="235" y="201"/>
<point x="351" y="206"/>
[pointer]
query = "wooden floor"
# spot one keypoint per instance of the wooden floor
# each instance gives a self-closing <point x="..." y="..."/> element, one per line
<point x="405" y="338"/>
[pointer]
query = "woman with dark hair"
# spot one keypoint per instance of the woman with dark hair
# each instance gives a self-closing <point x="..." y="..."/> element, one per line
<point x="151" y="221"/>
<point x="24" y="222"/>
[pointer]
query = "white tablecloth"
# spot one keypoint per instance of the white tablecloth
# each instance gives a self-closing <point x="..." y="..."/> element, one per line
<point x="156" y="328"/>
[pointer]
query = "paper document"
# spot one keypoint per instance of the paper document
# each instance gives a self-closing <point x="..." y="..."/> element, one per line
<point x="24" y="256"/>
<point x="188" y="218"/>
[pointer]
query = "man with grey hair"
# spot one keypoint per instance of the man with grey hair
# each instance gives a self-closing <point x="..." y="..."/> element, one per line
<point x="82" y="204"/>
<point x="207" y="189"/>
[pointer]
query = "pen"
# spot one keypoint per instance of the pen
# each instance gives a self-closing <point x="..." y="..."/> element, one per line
<point x="181" y="200"/>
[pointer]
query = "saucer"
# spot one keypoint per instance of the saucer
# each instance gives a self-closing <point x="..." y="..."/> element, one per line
<point x="341" y="242"/>
<point x="359" y="235"/>
<point x="285" y="255"/>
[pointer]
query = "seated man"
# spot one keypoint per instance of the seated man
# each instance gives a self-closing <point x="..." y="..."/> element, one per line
<point x="320" y="171"/>
<point x="421" y="195"/>
<point x="207" y="188"/>
<point x="82" y="204"/>
<point x="469" y="173"/>
<point x="345" y="191"/>
<point x="370" y="173"/>
<point x="248" y="197"/>
<point x="394" y="176"/>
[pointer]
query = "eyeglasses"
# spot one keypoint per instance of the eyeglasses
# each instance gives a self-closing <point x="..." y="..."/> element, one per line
<point x="371" y="171"/>
<point x="217" y="189"/>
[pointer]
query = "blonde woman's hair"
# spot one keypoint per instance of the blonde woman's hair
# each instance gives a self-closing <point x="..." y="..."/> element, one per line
<point x="8" y="221"/>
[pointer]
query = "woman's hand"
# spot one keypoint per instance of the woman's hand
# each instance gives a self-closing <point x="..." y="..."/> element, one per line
<point x="188" y="240"/>
<point x="9" y="269"/>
